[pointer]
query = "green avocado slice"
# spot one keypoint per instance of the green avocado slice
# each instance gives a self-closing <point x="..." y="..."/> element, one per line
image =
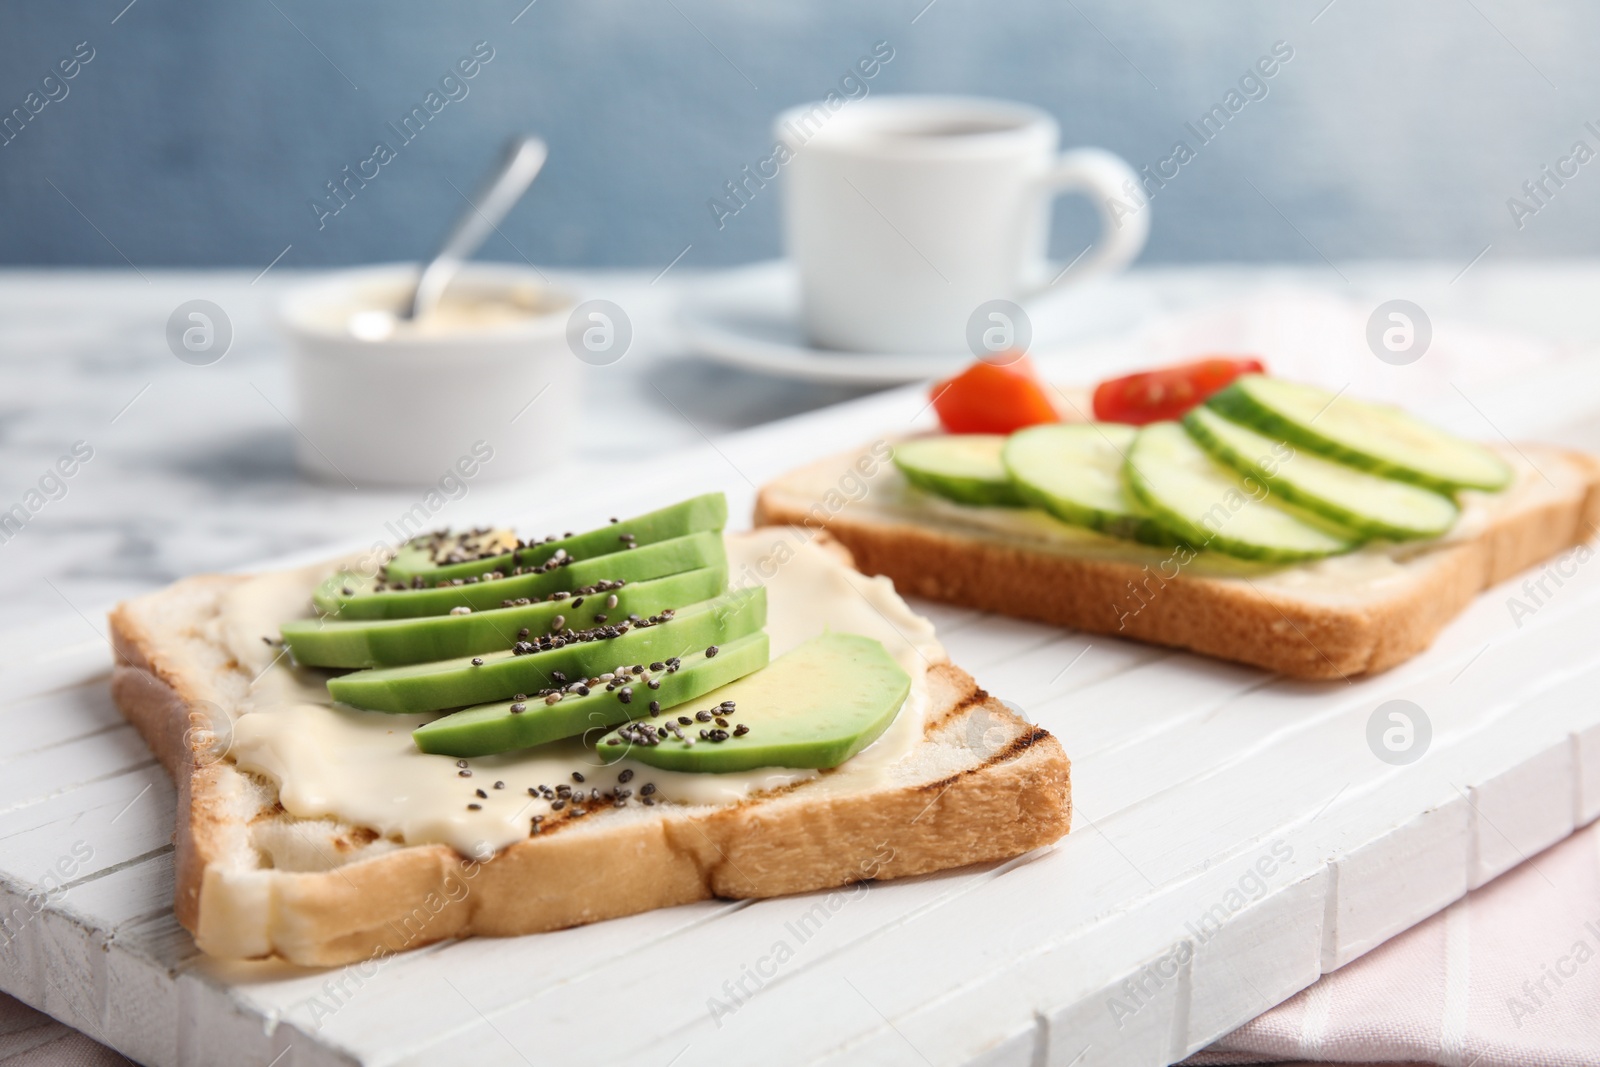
<point x="485" y="544"/>
<point x="652" y="561"/>
<point x="491" y="728"/>
<point x="326" y="642"/>
<point x="695" y="515"/>
<point x="815" y="706"/>
<point x="456" y="683"/>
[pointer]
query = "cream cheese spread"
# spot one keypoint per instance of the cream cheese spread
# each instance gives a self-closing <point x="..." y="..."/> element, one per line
<point x="361" y="767"/>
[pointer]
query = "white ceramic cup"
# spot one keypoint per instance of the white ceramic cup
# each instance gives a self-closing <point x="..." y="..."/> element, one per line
<point x="411" y="406"/>
<point x="906" y="214"/>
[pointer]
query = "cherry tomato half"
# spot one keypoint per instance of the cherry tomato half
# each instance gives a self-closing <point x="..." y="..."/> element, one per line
<point x="990" y="398"/>
<point x="1168" y="392"/>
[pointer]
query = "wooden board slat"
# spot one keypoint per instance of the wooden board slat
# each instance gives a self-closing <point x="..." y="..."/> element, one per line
<point x="67" y="696"/>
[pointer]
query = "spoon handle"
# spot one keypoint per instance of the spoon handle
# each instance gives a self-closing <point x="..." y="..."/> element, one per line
<point x="524" y="156"/>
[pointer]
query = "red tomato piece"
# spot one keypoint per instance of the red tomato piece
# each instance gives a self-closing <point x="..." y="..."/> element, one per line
<point x="990" y="398"/>
<point x="1167" y="392"/>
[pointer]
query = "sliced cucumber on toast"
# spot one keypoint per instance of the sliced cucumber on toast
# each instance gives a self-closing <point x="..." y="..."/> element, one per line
<point x="1204" y="503"/>
<point x="1368" y="504"/>
<point x="1074" y="472"/>
<point x="1297" y="473"/>
<point x="1371" y="437"/>
<point x="963" y="467"/>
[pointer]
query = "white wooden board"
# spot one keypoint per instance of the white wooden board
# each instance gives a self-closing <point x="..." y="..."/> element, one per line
<point x="1234" y="838"/>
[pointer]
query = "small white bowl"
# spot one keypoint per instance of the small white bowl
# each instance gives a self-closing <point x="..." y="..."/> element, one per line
<point x="489" y="383"/>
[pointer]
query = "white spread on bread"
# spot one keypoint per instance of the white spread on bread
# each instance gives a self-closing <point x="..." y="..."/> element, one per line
<point x="361" y="767"/>
<point x="888" y="496"/>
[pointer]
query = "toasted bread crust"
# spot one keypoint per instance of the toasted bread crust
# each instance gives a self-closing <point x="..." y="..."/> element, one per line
<point x="148" y="691"/>
<point x="1013" y="795"/>
<point x="1224" y="617"/>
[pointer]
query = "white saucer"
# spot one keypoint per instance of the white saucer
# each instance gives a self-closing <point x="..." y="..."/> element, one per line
<point x="749" y="318"/>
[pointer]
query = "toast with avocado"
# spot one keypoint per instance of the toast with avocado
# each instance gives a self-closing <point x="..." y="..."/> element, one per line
<point x="1266" y="522"/>
<point x="481" y="734"/>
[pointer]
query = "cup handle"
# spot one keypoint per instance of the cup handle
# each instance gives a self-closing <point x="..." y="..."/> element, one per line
<point x="1103" y="177"/>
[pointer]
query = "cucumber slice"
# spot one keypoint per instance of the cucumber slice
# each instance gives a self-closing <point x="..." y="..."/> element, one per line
<point x="1370" y="505"/>
<point x="1373" y="437"/>
<point x="964" y="467"/>
<point x="1074" y="471"/>
<point x="1204" y="503"/>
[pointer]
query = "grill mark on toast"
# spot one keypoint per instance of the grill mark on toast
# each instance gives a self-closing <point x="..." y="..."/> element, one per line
<point x="959" y="707"/>
<point x="1020" y="745"/>
<point x="1013" y="748"/>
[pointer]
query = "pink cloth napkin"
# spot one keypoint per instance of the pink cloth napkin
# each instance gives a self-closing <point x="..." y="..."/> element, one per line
<point x="1509" y="976"/>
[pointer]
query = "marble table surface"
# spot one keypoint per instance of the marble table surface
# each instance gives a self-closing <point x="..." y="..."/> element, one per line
<point x="192" y="466"/>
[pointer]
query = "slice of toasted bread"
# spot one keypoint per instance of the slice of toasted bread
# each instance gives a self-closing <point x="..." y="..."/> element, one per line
<point x="1337" y="618"/>
<point x="253" y="881"/>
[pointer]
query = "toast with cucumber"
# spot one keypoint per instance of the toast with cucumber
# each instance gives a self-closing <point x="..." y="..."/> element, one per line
<point x="483" y="734"/>
<point x="1205" y="507"/>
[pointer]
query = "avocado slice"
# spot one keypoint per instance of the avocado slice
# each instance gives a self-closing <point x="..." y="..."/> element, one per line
<point x="815" y="706"/>
<point x="652" y="561"/>
<point x="432" y="551"/>
<point x="425" y="556"/>
<point x="326" y="642"/>
<point x="455" y="683"/>
<point x="500" y="727"/>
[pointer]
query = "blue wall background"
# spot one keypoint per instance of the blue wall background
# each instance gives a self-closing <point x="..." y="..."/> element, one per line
<point x="199" y="132"/>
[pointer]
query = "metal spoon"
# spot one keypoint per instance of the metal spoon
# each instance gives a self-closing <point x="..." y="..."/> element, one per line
<point x="524" y="156"/>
